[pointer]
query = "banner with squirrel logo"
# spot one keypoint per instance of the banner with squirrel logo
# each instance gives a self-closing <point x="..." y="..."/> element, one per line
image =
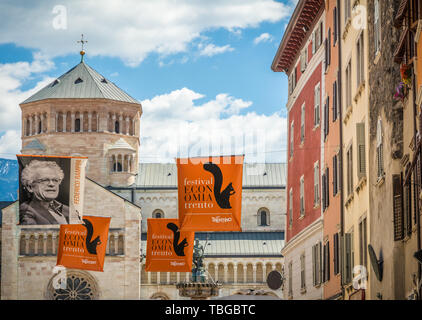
<point x="168" y="248"/>
<point x="210" y="193"/>
<point x="83" y="246"/>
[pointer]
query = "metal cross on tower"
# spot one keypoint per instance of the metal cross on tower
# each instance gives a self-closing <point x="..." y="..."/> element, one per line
<point x="82" y="42"/>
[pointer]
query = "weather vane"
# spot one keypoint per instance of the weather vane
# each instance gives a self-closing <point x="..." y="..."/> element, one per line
<point x="82" y="42"/>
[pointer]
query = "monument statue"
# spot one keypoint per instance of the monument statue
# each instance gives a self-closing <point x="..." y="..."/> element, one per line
<point x="198" y="269"/>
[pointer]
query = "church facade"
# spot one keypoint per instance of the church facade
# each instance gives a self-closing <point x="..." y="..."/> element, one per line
<point x="83" y="114"/>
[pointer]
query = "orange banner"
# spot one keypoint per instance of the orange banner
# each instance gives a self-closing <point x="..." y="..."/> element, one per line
<point x="83" y="246"/>
<point x="210" y="193"/>
<point x="168" y="248"/>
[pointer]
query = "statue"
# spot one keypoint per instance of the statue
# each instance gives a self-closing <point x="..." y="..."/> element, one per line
<point x="198" y="270"/>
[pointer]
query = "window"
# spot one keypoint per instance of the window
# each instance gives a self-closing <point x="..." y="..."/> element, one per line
<point x="360" y="62"/>
<point x="377" y="26"/>
<point x="335" y="24"/>
<point x="292" y="80"/>
<point x="316" y="183"/>
<point x="335" y="102"/>
<point x="302" y="273"/>
<point x="348" y="257"/>
<point x="292" y="126"/>
<point x="316" y="264"/>
<point x="360" y="136"/>
<point x="398" y="207"/>
<point x="158" y="214"/>
<point x="116" y="127"/>
<point x="263" y="217"/>
<point x="317" y="101"/>
<point x="363" y="243"/>
<point x="325" y="189"/>
<point x="336" y="175"/>
<point x="407" y="206"/>
<point x="336" y="253"/>
<point x="326" y="117"/>
<point x="290" y="207"/>
<point x="77" y="125"/>
<point x="328" y="49"/>
<point x="380" y="157"/>
<point x="302" y="196"/>
<point x="349" y="157"/>
<point x="326" y="268"/>
<point x="317" y="37"/>
<point x="302" y="124"/>
<point x="348" y="88"/>
<point x="304" y="59"/>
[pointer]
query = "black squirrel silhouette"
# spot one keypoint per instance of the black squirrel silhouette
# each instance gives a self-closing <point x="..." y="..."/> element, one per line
<point x="222" y="197"/>
<point x="179" y="248"/>
<point x="91" y="246"/>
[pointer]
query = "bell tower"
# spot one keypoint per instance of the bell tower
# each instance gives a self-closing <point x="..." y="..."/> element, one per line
<point x="81" y="113"/>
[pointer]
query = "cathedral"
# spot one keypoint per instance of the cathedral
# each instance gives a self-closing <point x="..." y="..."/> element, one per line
<point x="81" y="113"/>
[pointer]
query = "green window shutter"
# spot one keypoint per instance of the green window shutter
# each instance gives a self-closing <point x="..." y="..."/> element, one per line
<point x="348" y="252"/>
<point x="360" y="136"/>
<point x="398" y="207"/>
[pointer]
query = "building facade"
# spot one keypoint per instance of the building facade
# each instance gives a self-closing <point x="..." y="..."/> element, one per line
<point x="301" y="56"/>
<point x="331" y="191"/>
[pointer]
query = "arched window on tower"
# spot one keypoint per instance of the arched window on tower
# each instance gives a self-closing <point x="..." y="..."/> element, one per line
<point x="77" y="125"/>
<point x="158" y="214"/>
<point x="117" y="126"/>
<point x="28" y="126"/>
<point x="39" y="126"/>
<point x="263" y="217"/>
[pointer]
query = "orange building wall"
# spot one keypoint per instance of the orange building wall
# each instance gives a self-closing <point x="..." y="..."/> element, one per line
<point x="331" y="215"/>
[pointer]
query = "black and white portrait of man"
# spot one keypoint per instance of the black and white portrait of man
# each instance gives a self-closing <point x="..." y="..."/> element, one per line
<point x="40" y="190"/>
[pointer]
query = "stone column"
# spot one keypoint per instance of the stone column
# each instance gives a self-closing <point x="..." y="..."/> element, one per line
<point x="64" y="121"/>
<point x="30" y="125"/>
<point x="133" y="128"/>
<point x="81" y="117"/>
<point x="234" y="274"/>
<point x="158" y="277"/>
<point x="36" y="244"/>
<point x="42" y="123"/>
<point x="57" y="122"/>
<point x="127" y="125"/>
<point x="225" y="273"/>
<point x="113" y="123"/>
<point x="254" y="273"/>
<point x="54" y="246"/>
<point x="44" y="243"/>
<point x="120" y="124"/>
<point x="72" y="122"/>
<point x="245" y="273"/>
<point x="116" y="242"/>
<point x="26" y="243"/>
<point x="89" y="122"/>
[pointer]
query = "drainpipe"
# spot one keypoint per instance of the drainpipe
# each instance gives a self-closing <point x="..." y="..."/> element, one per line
<point x="340" y="105"/>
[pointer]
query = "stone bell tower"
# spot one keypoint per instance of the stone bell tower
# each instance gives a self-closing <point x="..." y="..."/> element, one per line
<point x="81" y="113"/>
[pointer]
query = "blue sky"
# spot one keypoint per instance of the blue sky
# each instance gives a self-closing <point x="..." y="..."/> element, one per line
<point x="208" y="63"/>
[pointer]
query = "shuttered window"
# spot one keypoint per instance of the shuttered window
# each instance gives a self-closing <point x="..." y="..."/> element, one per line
<point x="302" y="272"/>
<point x="316" y="264"/>
<point x="316" y="184"/>
<point x="360" y="136"/>
<point x="326" y="117"/>
<point x="349" y="156"/>
<point x="335" y="183"/>
<point x="302" y="196"/>
<point x="291" y="207"/>
<point x="407" y="206"/>
<point x="336" y="253"/>
<point x="317" y="102"/>
<point x="363" y="243"/>
<point x="377" y="26"/>
<point x="347" y="266"/>
<point x="360" y="61"/>
<point x="335" y="103"/>
<point x="302" y="124"/>
<point x="380" y="151"/>
<point x="397" y="207"/>
<point x="326" y="274"/>
<point x="335" y="24"/>
<point x="292" y="126"/>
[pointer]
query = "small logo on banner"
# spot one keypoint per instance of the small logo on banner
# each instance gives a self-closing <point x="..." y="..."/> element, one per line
<point x="219" y="219"/>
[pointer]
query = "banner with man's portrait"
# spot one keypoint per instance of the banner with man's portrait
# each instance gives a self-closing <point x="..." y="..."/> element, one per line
<point x="51" y="189"/>
<point x="168" y="248"/>
<point x="210" y="193"/>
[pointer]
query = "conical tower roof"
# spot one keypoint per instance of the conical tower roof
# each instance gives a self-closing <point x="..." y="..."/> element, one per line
<point x="81" y="82"/>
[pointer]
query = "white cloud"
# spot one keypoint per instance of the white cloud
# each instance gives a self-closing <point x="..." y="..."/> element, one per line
<point x="10" y="144"/>
<point x="211" y="50"/>
<point x="264" y="37"/>
<point x="129" y="30"/>
<point x="12" y="77"/>
<point x="177" y="124"/>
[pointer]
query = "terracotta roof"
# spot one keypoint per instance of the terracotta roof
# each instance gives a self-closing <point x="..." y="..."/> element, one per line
<point x="300" y="24"/>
